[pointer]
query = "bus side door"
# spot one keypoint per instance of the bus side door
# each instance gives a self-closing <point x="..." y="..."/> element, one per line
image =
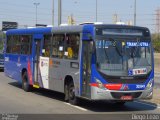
<point x="37" y="51"/>
<point x="86" y="74"/>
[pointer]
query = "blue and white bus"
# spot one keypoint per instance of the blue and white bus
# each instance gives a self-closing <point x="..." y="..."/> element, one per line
<point x="95" y="62"/>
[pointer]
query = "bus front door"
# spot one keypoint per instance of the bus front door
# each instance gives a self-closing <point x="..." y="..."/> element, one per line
<point x="87" y="54"/>
<point x="37" y="53"/>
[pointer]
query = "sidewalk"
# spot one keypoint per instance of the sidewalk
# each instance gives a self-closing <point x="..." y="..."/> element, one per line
<point x="157" y="74"/>
<point x="156" y="92"/>
<point x="157" y="63"/>
<point x="156" y="96"/>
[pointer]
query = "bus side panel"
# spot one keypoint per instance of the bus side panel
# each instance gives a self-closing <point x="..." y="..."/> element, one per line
<point x="26" y="63"/>
<point x="14" y="64"/>
<point x="9" y="66"/>
<point x="58" y="72"/>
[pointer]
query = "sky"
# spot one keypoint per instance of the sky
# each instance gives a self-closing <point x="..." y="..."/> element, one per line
<point x="24" y="11"/>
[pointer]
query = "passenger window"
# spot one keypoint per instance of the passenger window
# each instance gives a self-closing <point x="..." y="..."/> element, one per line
<point x="58" y="46"/>
<point x="19" y="44"/>
<point x="47" y="46"/>
<point x="16" y="48"/>
<point x="9" y="44"/>
<point x="72" y="46"/>
<point x="26" y="44"/>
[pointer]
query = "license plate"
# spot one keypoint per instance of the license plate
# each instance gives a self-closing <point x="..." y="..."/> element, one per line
<point x="126" y="98"/>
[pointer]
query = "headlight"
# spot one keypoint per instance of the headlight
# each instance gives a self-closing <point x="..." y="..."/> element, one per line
<point x="150" y="84"/>
<point x="99" y="84"/>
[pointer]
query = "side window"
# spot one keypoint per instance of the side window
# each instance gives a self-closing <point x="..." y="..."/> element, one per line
<point x="19" y="44"/>
<point x="58" y="46"/>
<point x="26" y="44"/>
<point x="47" y="46"/>
<point x="72" y="46"/>
<point x="9" y="44"/>
<point x="16" y="48"/>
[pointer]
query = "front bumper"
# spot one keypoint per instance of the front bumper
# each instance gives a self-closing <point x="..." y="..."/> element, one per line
<point x="102" y="94"/>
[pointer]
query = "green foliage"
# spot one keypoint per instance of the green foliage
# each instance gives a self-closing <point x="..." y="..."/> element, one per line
<point x="1" y="46"/>
<point x="1" y="41"/>
<point x="156" y="42"/>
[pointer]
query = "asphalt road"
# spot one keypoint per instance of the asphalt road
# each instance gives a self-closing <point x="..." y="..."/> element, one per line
<point x="14" y="100"/>
<point x="157" y="79"/>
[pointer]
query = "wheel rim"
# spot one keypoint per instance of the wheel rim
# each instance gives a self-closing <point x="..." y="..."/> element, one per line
<point x="71" y="92"/>
<point x="24" y="80"/>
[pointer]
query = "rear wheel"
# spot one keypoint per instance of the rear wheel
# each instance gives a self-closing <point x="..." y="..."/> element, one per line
<point x="66" y="93"/>
<point x="71" y="94"/>
<point x="25" y="83"/>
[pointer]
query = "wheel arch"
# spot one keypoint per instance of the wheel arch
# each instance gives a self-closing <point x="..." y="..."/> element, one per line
<point x="22" y="72"/>
<point x="68" y="79"/>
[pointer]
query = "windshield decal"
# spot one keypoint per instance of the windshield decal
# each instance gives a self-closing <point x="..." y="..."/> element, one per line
<point x="141" y="71"/>
<point x="135" y="44"/>
<point x="130" y="72"/>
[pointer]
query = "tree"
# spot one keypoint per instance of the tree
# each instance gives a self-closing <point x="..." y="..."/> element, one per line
<point x="156" y="42"/>
<point x="2" y="37"/>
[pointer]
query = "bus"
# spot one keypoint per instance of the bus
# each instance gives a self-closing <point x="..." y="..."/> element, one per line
<point x="95" y="62"/>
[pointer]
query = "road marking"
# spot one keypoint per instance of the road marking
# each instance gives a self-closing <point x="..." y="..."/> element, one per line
<point x="80" y="108"/>
<point x="158" y="106"/>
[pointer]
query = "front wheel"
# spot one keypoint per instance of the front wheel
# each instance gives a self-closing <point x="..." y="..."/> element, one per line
<point x="25" y="83"/>
<point x="72" y="98"/>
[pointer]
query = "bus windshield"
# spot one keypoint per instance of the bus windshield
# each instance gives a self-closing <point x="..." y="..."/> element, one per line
<point x="118" y="57"/>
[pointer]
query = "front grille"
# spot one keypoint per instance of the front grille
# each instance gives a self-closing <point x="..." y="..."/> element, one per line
<point x="121" y="80"/>
<point x="118" y="95"/>
<point x="126" y="81"/>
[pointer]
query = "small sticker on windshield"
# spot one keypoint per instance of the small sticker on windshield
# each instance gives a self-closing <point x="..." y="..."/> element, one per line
<point x="123" y="43"/>
<point x="130" y="72"/>
<point x="135" y="44"/>
<point x="141" y="71"/>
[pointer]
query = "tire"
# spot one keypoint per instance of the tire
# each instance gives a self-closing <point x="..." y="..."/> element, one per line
<point x="25" y="83"/>
<point x="72" y="98"/>
<point x="66" y="93"/>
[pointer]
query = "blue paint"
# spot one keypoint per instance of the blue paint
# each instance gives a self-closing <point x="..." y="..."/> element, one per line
<point x="130" y="72"/>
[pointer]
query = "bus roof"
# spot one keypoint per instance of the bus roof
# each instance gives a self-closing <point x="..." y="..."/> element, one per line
<point x="66" y="29"/>
<point x="29" y="31"/>
<point x="121" y="26"/>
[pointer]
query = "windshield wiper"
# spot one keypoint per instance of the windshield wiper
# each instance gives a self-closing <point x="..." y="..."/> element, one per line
<point x="115" y="45"/>
<point x="134" y="51"/>
<point x="106" y="54"/>
<point x="133" y="54"/>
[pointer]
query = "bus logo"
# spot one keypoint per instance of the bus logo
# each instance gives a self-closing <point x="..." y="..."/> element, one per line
<point x="125" y="87"/>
